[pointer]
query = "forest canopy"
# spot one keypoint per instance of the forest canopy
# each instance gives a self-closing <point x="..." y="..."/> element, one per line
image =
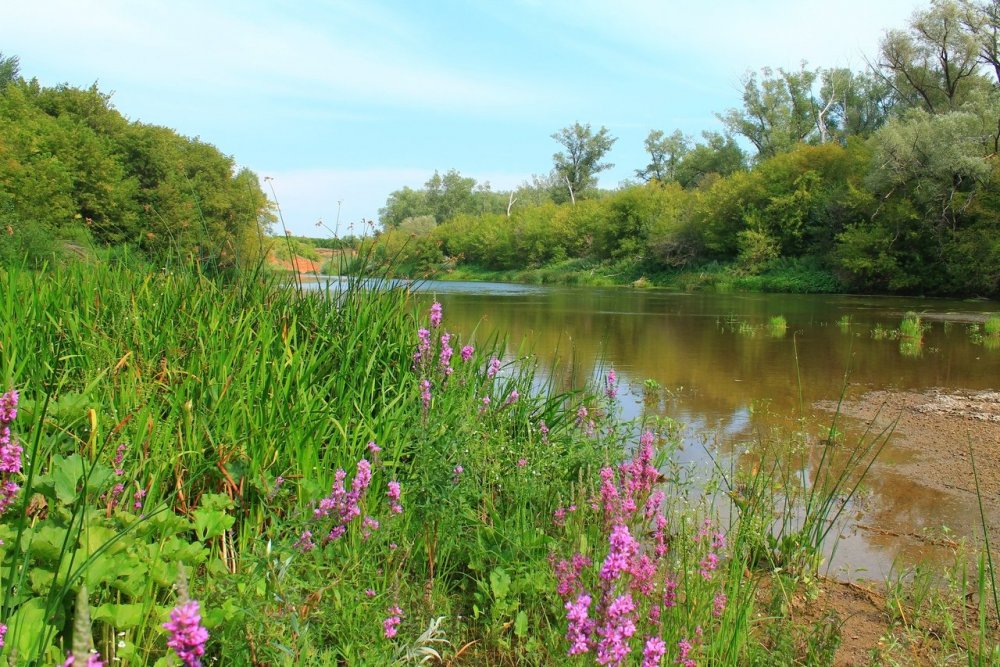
<point x="77" y="173"/>
<point x="884" y="179"/>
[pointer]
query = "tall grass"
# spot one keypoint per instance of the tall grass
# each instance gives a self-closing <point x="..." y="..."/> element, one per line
<point x="346" y="482"/>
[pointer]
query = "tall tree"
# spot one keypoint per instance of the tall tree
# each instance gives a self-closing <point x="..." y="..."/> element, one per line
<point x="934" y="62"/>
<point x="718" y="154"/>
<point x="982" y="21"/>
<point x="449" y="195"/>
<point x="580" y="163"/>
<point x="859" y="103"/>
<point x="10" y="67"/>
<point x="402" y="204"/>
<point x="778" y="110"/>
<point x="665" y="153"/>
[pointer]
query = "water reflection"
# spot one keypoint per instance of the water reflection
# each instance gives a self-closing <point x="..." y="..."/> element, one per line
<point x="719" y="364"/>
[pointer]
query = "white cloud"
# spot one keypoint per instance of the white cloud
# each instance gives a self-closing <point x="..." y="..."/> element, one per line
<point x="734" y="35"/>
<point x="244" y="49"/>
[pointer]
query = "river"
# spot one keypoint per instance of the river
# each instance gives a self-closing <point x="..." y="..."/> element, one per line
<point x="712" y="362"/>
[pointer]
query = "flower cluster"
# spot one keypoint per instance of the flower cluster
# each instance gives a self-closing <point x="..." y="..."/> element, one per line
<point x="10" y="451"/>
<point x="390" y="626"/>
<point x="187" y="635"/>
<point x="342" y="505"/>
<point x="434" y="366"/>
<point x="621" y="604"/>
<point x="611" y="385"/>
<point x="393" y="494"/>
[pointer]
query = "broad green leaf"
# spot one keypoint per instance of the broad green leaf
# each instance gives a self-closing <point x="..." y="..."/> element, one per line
<point x="521" y="624"/>
<point x="211" y="518"/>
<point x="499" y="583"/>
<point x="41" y="580"/>
<point x="66" y="474"/>
<point x="47" y="542"/>
<point x="24" y="627"/>
<point x="119" y="616"/>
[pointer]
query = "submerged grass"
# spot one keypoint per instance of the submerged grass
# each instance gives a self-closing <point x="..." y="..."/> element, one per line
<point x="346" y="481"/>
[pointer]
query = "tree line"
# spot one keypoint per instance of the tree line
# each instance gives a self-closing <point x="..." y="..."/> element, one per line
<point x="886" y="179"/>
<point x="77" y="174"/>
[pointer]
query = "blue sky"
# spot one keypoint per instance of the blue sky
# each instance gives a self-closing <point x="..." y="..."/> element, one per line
<point x="348" y="101"/>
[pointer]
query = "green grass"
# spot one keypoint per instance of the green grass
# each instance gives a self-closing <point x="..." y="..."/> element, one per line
<point x="792" y="276"/>
<point x="235" y="404"/>
<point x="991" y="327"/>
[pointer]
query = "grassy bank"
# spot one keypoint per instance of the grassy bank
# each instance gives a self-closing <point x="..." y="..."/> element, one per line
<point x="338" y="479"/>
<point x="790" y="276"/>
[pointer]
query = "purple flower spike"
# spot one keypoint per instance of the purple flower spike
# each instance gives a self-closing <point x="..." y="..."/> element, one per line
<point x="187" y="636"/>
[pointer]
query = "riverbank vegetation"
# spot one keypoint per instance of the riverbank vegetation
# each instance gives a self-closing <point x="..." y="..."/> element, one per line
<point x="336" y="477"/>
<point x="79" y="180"/>
<point x="883" y="180"/>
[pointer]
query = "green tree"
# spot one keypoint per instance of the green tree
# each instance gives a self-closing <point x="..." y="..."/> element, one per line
<point x="982" y="20"/>
<point x="719" y="155"/>
<point x="934" y="62"/>
<point x="778" y="110"/>
<point x="402" y="204"/>
<point x="449" y="195"/>
<point x="10" y="68"/>
<point x="856" y="104"/>
<point x="665" y="154"/>
<point x="580" y="163"/>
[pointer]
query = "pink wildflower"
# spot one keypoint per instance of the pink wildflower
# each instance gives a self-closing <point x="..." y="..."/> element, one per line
<point x="580" y="625"/>
<point x="623" y="548"/>
<point x="653" y="652"/>
<point x="685" y="647"/>
<point x="305" y="542"/>
<point x="8" y="406"/>
<point x="467" y="352"/>
<point x="494" y="368"/>
<point x="187" y="636"/>
<point x="137" y="499"/>
<point x="93" y="660"/>
<point x="423" y="347"/>
<point x="10" y="451"/>
<point x="544" y="430"/>
<point x="446" y="353"/>
<point x="390" y="625"/>
<point x="617" y="630"/>
<point x="559" y="517"/>
<point x="368" y="526"/>
<point x="435" y="314"/>
<point x="719" y="605"/>
<point x="670" y="593"/>
<point x="393" y="494"/>
<point x="708" y="565"/>
<point x="611" y="385"/>
<point x="425" y="394"/>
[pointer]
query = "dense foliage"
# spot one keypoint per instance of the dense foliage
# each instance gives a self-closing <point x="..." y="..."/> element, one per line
<point x="75" y="172"/>
<point x="225" y="470"/>
<point x="884" y="180"/>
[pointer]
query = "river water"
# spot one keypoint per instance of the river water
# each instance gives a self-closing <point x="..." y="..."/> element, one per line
<point x="720" y="369"/>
